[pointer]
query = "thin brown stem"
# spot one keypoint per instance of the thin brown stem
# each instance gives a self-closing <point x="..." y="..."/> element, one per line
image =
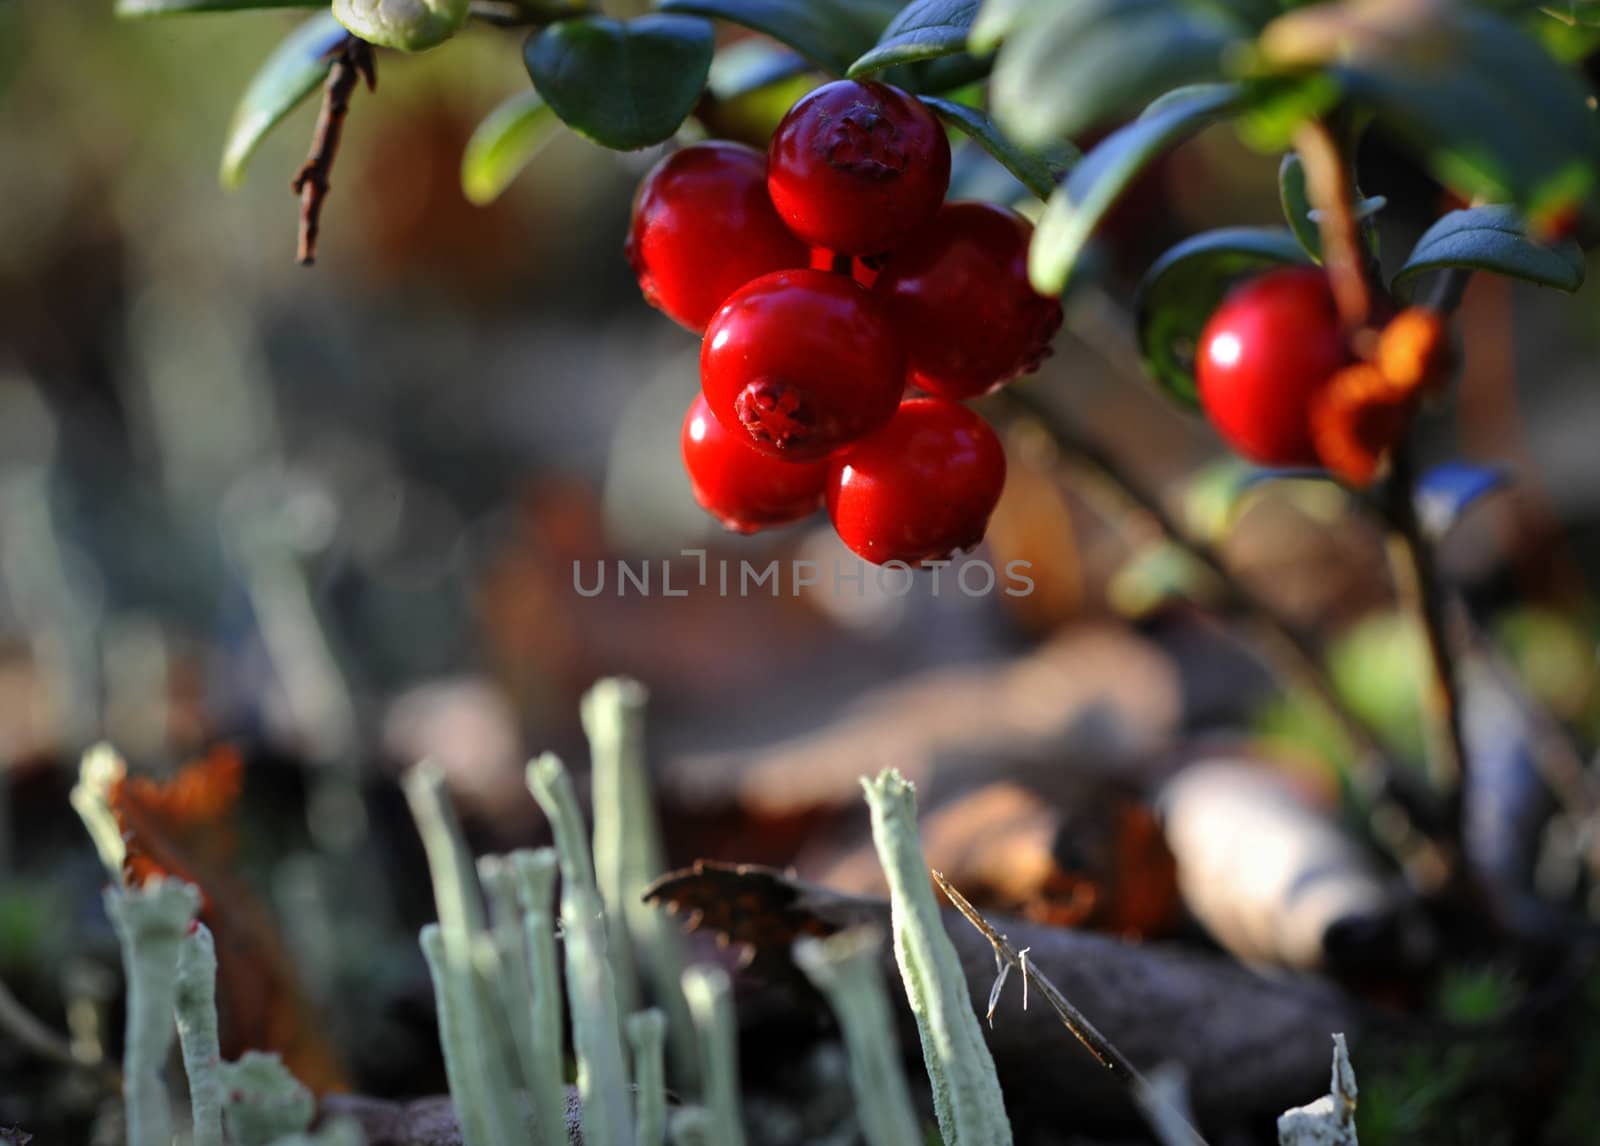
<point x="1293" y="655"/>
<point x="1417" y="585"/>
<point x="1332" y="192"/>
<point x="353" y="60"/>
<point x="1102" y="1048"/>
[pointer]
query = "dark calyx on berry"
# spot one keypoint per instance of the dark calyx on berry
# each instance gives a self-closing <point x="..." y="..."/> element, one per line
<point x="857" y="166"/>
<point x="802" y="362"/>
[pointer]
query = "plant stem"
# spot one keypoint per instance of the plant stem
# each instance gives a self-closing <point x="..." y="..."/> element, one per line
<point x="1103" y="1050"/>
<point x="150" y="922"/>
<point x="1417" y="585"/>
<point x="710" y="997"/>
<point x="846" y="967"/>
<point x="966" y="1091"/>
<point x="1294" y="657"/>
<point x="197" y="1033"/>
<point x="591" y="986"/>
<point x="535" y="874"/>
<point x="353" y="60"/>
<point x="1332" y="191"/>
<point x="646" y="1034"/>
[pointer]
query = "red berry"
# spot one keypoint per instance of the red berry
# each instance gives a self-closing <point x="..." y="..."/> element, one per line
<point x="920" y="488"/>
<point x="740" y="486"/>
<point x="804" y="361"/>
<point x="703" y="226"/>
<point x="959" y="295"/>
<point x="855" y="167"/>
<point x="1268" y="350"/>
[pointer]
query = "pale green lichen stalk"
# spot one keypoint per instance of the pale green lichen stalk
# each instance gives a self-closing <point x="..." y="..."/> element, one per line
<point x="966" y="1090"/>
<point x="480" y="1079"/>
<point x="196" y="1006"/>
<point x="150" y="922"/>
<point x="628" y="857"/>
<point x="647" y="1032"/>
<point x="845" y="967"/>
<point x="534" y="872"/>
<point x="508" y="947"/>
<point x="710" y="998"/>
<point x="591" y="992"/>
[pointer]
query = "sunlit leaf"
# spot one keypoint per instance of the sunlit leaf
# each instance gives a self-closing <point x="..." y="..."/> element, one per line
<point x="1105" y="172"/>
<point x="923" y="30"/>
<point x="295" y="69"/>
<point x="503" y="144"/>
<point x="1039" y="171"/>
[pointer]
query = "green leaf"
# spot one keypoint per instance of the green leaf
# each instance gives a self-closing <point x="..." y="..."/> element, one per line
<point x="1297" y="209"/>
<point x="830" y="33"/>
<point x="406" y="25"/>
<point x="134" y="9"/>
<point x="510" y="136"/>
<point x="1494" y="239"/>
<point x="1487" y="109"/>
<point x="1297" y="205"/>
<point x="623" y="85"/>
<point x="924" y="30"/>
<point x="1039" y="171"/>
<point x="295" y="69"/>
<point x="1073" y="64"/>
<point x="1183" y="287"/>
<point x="1106" y="171"/>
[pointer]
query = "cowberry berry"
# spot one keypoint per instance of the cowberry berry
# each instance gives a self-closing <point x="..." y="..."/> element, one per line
<point x="743" y="488"/>
<point x="857" y="166"/>
<point x="920" y="488"/>
<point x="958" y="292"/>
<point x="703" y="226"/>
<point x="803" y="362"/>
<point x="1266" y="353"/>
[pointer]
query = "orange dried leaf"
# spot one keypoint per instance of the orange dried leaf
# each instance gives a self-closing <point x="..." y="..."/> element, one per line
<point x="1414" y="353"/>
<point x="1356" y="420"/>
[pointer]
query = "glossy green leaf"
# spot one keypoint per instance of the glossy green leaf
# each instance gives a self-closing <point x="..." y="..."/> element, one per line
<point x="830" y="33"/>
<point x="623" y="85"/>
<point x="295" y="69"/>
<point x="134" y="9"/>
<point x="406" y="25"/>
<point x="1487" y="109"/>
<point x="1184" y="286"/>
<point x="1038" y="170"/>
<point x="1107" y="170"/>
<point x="503" y="144"/>
<point x="1074" y="64"/>
<point x="924" y="30"/>
<point x="1493" y="239"/>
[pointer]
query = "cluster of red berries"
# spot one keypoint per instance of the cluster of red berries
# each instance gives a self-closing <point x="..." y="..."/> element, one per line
<point x="828" y="277"/>
<point x="1283" y="384"/>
